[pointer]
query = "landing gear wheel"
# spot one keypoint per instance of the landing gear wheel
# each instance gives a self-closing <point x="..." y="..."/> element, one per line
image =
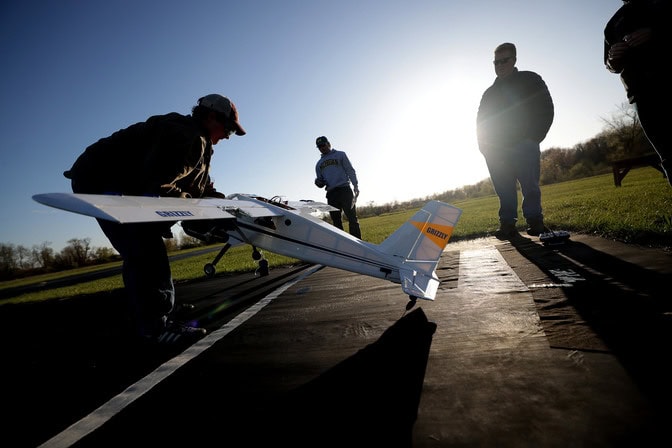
<point x="209" y="269"/>
<point x="411" y="303"/>
<point x="256" y="255"/>
<point x="263" y="268"/>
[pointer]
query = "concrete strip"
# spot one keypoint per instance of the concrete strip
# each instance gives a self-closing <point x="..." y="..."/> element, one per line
<point x="492" y="379"/>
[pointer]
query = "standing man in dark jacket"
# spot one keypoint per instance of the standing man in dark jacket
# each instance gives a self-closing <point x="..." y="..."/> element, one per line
<point x="167" y="155"/>
<point x="514" y="116"/>
<point x="636" y="40"/>
<point x="335" y="173"/>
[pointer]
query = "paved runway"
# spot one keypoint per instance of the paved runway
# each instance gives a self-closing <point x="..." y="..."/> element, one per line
<point x="524" y="345"/>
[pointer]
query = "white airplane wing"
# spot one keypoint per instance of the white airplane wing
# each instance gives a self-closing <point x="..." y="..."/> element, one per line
<point x="130" y="209"/>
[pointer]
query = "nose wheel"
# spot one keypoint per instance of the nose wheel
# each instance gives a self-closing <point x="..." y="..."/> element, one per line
<point x="263" y="269"/>
<point x="210" y="268"/>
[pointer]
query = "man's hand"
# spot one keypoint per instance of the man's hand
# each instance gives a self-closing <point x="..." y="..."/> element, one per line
<point x="639" y="37"/>
<point x="618" y="50"/>
<point x="319" y="183"/>
<point x="632" y="40"/>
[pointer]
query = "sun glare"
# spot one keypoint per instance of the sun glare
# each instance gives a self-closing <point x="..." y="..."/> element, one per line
<point x="428" y="131"/>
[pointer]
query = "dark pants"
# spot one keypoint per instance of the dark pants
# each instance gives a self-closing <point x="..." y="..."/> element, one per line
<point x="509" y="167"/>
<point x="146" y="272"/>
<point x="654" y="118"/>
<point x="148" y="281"/>
<point x="342" y="199"/>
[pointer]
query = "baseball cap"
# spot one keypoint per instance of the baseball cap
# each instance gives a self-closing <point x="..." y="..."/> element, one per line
<point x="224" y="106"/>
<point x="321" y="140"/>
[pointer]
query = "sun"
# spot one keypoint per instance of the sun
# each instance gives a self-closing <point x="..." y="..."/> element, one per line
<point x="427" y="129"/>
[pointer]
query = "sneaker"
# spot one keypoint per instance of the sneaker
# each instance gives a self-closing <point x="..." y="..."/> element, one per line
<point x="178" y="333"/>
<point x="506" y="231"/>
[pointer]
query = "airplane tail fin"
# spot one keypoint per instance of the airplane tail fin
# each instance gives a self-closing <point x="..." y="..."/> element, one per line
<point x="420" y="241"/>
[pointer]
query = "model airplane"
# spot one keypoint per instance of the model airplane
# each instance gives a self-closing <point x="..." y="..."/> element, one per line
<point x="409" y="256"/>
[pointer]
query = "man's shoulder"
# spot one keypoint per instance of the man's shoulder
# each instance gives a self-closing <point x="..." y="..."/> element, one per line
<point x="334" y="153"/>
<point x="528" y="79"/>
<point x="495" y="84"/>
<point x="174" y="123"/>
<point x="528" y="74"/>
<point x="171" y="117"/>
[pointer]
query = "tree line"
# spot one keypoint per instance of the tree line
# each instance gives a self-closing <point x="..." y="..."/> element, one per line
<point x="621" y="138"/>
<point x="17" y="261"/>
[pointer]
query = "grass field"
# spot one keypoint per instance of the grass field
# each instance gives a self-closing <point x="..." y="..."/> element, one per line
<point x="640" y="211"/>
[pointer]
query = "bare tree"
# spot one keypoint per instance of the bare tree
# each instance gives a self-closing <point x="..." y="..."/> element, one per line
<point x="42" y="255"/>
<point x="22" y="257"/>
<point x="77" y="252"/>
<point x="7" y="260"/>
<point x="103" y="254"/>
<point x="171" y="244"/>
<point x="625" y="134"/>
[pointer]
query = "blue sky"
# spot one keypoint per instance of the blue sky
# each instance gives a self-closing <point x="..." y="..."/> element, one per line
<point x="395" y="84"/>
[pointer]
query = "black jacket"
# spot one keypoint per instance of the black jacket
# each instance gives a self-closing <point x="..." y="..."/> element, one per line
<point x="643" y="70"/>
<point x="167" y="155"/>
<point x="515" y="108"/>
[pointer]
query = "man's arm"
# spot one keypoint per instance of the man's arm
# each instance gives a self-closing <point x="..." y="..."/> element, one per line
<point x="350" y="171"/>
<point x="543" y="112"/>
<point x="177" y="161"/>
<point x="319" y="180"/>
<point x="615" y="55"/>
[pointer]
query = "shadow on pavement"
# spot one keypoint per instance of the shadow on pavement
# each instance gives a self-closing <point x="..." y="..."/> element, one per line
<point x="369" y="399"/>
<point x="626" y="307"/>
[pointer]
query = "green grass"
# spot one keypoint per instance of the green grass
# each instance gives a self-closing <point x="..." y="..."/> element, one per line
<point x="237" y="259"/>
<point x="640" y="211"/>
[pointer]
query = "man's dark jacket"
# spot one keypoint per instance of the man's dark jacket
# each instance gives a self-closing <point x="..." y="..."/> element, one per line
<point x="167" y="155"/>
<point x="514" y="109"/>
<point x="644" y="70"/>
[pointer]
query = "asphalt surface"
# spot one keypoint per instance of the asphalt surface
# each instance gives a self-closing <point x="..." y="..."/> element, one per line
<point x="525" y="345"/>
